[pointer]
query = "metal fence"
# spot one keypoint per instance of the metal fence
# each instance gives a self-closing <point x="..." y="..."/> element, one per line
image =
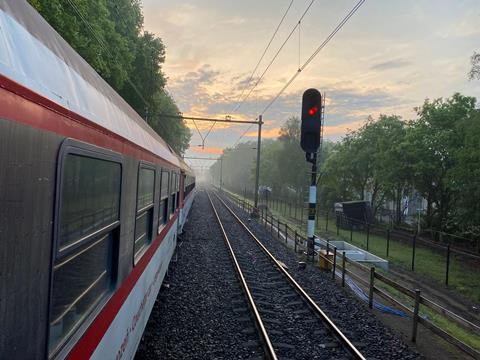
<point x="444" y="250"/>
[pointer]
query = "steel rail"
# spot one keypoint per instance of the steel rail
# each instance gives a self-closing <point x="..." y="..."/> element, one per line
<point x="319" y="312"/>
<point x="268" y="347"/>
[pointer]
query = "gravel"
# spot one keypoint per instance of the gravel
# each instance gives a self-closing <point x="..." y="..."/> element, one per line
<point x="201" y="312"/>
<point x="294" y="329"/>
<point x="352" y="316"/>
<point x="196" y="315"/>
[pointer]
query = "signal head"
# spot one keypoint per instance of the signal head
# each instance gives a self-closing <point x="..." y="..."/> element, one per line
<point x="311" y="120"/>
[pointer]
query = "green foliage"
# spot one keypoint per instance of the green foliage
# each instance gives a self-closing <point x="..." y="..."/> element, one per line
<point x="109" y="35"/>
<point x="431" y="145"/>
<point x="434" y="157"/>
<point x="474" y="72"/>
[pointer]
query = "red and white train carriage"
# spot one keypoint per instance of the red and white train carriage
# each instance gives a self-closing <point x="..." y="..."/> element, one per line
<point x="91" y="202"/>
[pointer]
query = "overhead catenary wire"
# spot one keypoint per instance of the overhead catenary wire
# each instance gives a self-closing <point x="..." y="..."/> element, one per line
<point x="276" y="55"/>
<point x="315" y="53"/>
<point x="264" y="52"/>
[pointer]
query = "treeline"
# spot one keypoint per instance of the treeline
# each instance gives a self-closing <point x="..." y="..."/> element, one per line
<point x="109" y="35"/>
<point x="434" y="157"/>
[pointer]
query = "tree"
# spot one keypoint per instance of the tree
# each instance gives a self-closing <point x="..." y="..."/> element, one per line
<point x="291" y="163"/>
<point x="109" y="35"/>
<point x="464" y="177"/>
<point x="474" y="72"/>
<point x="431" y="143"/>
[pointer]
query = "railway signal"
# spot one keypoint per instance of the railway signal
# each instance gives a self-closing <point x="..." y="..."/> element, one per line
<point x="311" y="120"/>
<point x="310" y="140"/>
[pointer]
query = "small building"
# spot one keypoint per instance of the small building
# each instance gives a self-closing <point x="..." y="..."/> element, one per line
<point x="353" y="214"/>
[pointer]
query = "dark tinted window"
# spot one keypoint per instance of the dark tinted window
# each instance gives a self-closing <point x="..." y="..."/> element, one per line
<point x="88" y="222"/>
<point x="146" y="186"/>
<point x="165" y="182"/>
<point x="80" y="282"/>
<point x="90" y="197"/>
<point x="144" y="217"/>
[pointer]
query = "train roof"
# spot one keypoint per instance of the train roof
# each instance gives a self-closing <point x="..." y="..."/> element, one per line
<point x="34" y="55"/>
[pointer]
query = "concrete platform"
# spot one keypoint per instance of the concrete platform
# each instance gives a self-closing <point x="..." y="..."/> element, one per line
<point x="353" y="253"/>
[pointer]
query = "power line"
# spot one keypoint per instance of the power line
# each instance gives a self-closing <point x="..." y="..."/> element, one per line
<point x="264" y="52"/>
<point x="276" y="55"/>
<point x="315" y="53"/>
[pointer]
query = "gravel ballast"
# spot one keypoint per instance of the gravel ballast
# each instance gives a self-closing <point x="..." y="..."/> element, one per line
<point x="352" y="316"/>
<point x="201" y="312"/>
<point x="294" y="329"/>
<point x="196" y="315"/>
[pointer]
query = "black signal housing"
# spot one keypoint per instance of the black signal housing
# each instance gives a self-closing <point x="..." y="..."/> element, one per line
<point x="311" y="120"/>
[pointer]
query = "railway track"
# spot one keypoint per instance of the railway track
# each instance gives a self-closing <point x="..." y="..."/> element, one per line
<point x="290" y="324"/>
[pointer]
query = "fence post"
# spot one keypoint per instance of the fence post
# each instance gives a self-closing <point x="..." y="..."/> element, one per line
<point x="334" y="262"/>
<point x="295" y="245"/>
<point x="290" y="209"/>
<point x="413" y="250"/>
<point x="278" y="228"/>
<point x="415" y="315"/>
<point x="343" y="268"/>
<point x="296" y="205"/>
<point x="338" y="228"/>
<point x="448" y="265"/>
<point x="328" y="246"/>
<point x="388" y="241"/>
<point x="368" y="236"/>
<point x="286" y="233"/>
<point x="326" y="224"/>
<point x="301" y="214"/>
<point x="372" y="281"/>
<point x="351" y="232"/>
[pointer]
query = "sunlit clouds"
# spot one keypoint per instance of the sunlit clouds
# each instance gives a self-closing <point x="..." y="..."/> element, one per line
<point x="387" y="59"/>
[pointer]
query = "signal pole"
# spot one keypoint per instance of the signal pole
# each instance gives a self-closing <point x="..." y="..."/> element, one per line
<point x="221" y="172"/>
<point x="257" y="170"/>
<point x="312" y="205"/>
<point x="310" y="141"/>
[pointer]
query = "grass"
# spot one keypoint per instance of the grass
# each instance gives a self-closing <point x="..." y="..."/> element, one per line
<point x="466" y="336"/>
<point x="428" y="263"/>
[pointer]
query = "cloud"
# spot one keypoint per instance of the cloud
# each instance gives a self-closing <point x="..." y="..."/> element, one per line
<point x="211" y="51"/>
<point x="391" y="64"/>
<point x="207" y="150"/>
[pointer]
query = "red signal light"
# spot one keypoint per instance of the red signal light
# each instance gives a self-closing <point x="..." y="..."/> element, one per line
<point x="312" y="111"/>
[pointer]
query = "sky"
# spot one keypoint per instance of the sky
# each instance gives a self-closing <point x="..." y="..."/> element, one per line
<point x="389" y="58"/>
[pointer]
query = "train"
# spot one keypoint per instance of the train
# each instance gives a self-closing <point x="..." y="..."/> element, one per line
<point x="92" y="201"/>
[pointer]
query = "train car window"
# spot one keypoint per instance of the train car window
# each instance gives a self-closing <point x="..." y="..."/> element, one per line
<point x="173" y="192"/>
<point x="87" y="225"/>
<point x="145" y="204"/>
<point x="163" y="212"/>
<point x="89" y="202"/>
<point x="178" y="190"/>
